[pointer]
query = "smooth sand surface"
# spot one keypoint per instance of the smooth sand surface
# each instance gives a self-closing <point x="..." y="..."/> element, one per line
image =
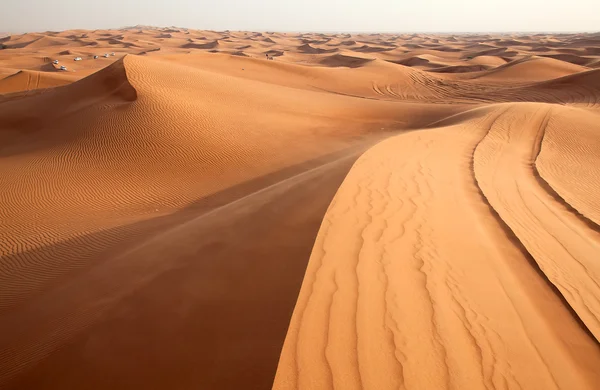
<point x="228" y="210"/>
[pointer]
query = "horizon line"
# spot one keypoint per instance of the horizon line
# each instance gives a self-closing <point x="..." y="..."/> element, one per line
<point x="141" y="26"/>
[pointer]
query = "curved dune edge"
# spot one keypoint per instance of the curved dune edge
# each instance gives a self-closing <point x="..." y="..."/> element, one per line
<point x="426" y="263"/>
<point x="565" y="246"/>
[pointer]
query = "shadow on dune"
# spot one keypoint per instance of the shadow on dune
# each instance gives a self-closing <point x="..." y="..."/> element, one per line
<point x="216" y="298"/>
<point x="340" y="60"/>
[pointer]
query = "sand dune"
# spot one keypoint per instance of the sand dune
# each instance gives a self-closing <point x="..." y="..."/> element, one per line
<point x="594" y="64"/>
<point x="417" y="62"/>
<point x="571" y="58"/>
<point x="488" y="61"/>
<point x="508" y="314"/>
<point x="307" y="48"/>
<point x="568" y="255"/>
<point x="27" y="80"/>
<point x="343" y="60"/>
<point x="209" y="45"/>
<point x="459" y="69"/>
<point x="533" y="69"/>
<point x="370" y="49"/>
<point x="369" y="211"/>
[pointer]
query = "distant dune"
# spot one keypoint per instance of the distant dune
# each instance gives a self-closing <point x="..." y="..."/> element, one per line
<point x="26" y="80"/>
<point x="210" y="45"/>
<point x="185" y="209"/>
<point x="342" y="60"/>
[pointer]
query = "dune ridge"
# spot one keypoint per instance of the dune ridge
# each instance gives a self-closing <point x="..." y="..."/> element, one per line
<point x="352" y="294"/>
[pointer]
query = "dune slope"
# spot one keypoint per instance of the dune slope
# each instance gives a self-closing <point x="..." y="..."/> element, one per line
<point x="444" y="275"/>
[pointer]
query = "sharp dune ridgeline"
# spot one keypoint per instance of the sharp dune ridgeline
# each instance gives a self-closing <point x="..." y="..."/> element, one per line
<point x="194" y="209"/>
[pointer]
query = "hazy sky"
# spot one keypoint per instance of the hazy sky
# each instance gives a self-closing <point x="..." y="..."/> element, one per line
<point x="305" y="15"/>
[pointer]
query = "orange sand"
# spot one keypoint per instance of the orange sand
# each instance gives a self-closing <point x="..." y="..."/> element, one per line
<point x="159" y="207"/>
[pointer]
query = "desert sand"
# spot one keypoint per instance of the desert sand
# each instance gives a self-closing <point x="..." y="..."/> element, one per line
<point x="240" y="210"/>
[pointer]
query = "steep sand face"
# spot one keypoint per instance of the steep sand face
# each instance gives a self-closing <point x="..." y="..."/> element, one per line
<point x="159" y="207"/>
<point x="222" y="300"/>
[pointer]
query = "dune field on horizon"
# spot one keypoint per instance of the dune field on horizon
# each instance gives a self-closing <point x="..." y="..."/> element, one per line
<point x="190" y="209"/>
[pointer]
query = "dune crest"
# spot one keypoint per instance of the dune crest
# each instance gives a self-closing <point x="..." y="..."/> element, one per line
<point x="482" y="313"/>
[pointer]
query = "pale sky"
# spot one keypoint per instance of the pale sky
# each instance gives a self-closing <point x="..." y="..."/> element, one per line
<point x="305" y="15"/>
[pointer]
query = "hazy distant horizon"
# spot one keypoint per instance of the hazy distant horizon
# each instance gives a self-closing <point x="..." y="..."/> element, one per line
<point x="462" y="16"/>
<point x="309" y="31"/>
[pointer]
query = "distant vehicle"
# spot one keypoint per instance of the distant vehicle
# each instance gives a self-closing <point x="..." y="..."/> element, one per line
<point x="105" y="55"/>
<point x="77" y="59"/>
<point x="95" y="57"/>
<point x="55" y="62"/>
<point x="63" y="67"/>
<point x="112" y="54"/>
